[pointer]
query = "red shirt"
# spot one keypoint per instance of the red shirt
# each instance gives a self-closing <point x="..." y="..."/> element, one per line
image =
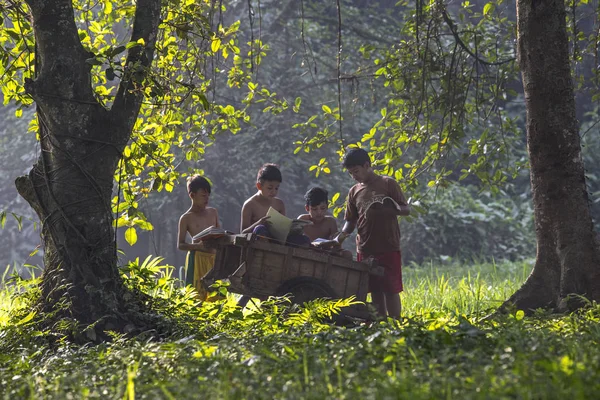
<point x="371" y="205"/>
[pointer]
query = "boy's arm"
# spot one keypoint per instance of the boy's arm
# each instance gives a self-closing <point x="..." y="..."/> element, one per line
<point x="350" y="218"/>
<point x="333" y="228"/>
<point x="281" y="207"/>
<point x="217" y="224"/>
<point x="181" y="232"/>
<point x="246" y="218"/>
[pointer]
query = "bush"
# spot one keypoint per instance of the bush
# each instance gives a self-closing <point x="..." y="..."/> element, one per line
<point x="460" y="224"/>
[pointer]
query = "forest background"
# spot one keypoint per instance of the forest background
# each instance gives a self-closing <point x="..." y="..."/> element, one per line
<point x="473" y="203"/>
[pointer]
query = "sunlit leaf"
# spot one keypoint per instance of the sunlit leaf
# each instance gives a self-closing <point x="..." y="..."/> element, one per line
<point x="131" y="236"/>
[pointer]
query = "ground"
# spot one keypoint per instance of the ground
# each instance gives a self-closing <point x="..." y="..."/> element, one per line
<point x="444" y="348"/>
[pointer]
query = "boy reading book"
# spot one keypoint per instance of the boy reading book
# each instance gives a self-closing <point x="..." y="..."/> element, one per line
<point x="255" y="218"/>
<point x="200" y="259"/>
<point x="324" y="227"/>
<point x="373" y="207"/>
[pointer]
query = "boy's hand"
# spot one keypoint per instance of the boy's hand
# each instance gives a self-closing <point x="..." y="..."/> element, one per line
<point x="263" y="221"/>
<point x="325" y="244"/>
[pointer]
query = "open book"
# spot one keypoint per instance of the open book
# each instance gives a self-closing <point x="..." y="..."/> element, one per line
<point x="282" y="226"/>
<point x="381" y="200"/>
<point x="212" y="232"/>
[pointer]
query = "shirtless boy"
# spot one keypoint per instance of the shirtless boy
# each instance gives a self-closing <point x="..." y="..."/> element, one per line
<point x="254" y="210"/>
<point x="324" y="227"/>
<point x="199" y="259"/>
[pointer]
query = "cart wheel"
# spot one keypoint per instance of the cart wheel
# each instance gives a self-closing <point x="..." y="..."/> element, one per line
<point x="306" y="288"/>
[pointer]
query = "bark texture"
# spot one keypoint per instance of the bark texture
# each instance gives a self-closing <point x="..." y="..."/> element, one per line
<point x="70" y="186"/>
<point x="568" y="254"/>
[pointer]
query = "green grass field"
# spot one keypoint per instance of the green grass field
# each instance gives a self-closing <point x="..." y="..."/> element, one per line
<point x="443" y="349"/>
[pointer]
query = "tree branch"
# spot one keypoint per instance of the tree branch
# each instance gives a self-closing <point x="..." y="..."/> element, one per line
<point x="63" y="70"/>
<point x="464" y="46"/>
<point x="145" y="26"/>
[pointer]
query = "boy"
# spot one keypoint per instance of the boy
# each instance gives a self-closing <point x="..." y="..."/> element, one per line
<point x="199" y="259"/>
<point x="324" y="227"/>
<point x="254" y="210"/>
<point x="373" y="206"/>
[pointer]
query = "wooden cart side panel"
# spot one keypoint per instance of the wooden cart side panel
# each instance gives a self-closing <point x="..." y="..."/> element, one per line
<point x="352" y="283"/>
<point x="312" y="254"/>
<point x="363" y="287"/>
<point x="337" y="279"/>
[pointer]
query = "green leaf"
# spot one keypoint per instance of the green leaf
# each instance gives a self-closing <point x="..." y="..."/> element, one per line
<point x="27" y="318"/>
<point x="110" y="74"/>
<point x="519" y="315"/>
<point x="335" y="197"/>
<point x="131" y="236"/>
<point x="108" y="7"/>
<point x="215" y="45"/>
<point x="117" y="50"/>
<point x="93" y="61"/>
<point x="326" y="109"/>
<point x="487" y="8"/>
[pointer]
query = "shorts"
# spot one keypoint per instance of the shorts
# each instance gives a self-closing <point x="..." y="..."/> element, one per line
<point x="199" y="264"/>
<point x="391" y="281"/>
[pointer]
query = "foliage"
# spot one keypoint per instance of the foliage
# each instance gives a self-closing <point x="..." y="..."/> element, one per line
<point x="177" y="120"/>
<point x="445" y="80"/>
<point x="462" y="223"/>
<point x="436" y="352"/>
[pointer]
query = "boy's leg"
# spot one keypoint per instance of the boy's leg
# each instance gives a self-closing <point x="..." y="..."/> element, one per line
<point x="379" y="301"/>
<point x="394" y="307"/>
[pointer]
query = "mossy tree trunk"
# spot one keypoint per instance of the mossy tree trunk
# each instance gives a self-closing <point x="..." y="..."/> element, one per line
<point x="568" y="254"/>
<point x="81" y="143"/>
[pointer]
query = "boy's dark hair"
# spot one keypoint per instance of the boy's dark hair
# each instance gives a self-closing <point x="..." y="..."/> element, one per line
<point x="315" y="196"/>
<point x="269" y="172"/>
<point x="355" y="157"/>
<point x="197" y="182"/>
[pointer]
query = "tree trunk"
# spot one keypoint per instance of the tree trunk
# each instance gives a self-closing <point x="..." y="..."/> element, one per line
<point x="568" y="253"/>
<point x="70" y="186"/>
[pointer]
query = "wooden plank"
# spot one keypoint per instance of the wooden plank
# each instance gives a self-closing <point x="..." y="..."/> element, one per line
<point x="337" y="279"/>
<point x="292" y="270"/>
<point x="352" y="283"/>
<point x="306" y="267"/>
<point x="363" y="287"/>
<point x="259" y="287"/>
<point x="272" y="247"/>
<point x="314" y="255"/>
<point x="271" y="273"/>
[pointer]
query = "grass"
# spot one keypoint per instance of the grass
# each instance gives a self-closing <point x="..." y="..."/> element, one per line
<point x="441" y="350"/>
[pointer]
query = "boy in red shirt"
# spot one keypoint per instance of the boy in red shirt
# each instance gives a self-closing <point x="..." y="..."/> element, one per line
<point x="373" y="206"/>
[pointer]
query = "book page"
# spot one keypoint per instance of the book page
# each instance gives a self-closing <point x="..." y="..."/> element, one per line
<point x="280" y="225"/>
<point x="210" y="233"/>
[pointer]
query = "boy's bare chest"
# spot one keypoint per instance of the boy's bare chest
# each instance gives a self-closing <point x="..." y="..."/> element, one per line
<point x="259" y="210"/>
<point x="318" y="231"/>
<point x="198" y="223"/>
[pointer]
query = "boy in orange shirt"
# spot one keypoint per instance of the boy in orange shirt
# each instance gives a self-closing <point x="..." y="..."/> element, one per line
<point x="199" y="259"/>
<point x="373" y="206"/>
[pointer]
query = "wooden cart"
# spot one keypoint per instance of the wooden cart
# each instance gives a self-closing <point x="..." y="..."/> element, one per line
<point x="258" y="268"/>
